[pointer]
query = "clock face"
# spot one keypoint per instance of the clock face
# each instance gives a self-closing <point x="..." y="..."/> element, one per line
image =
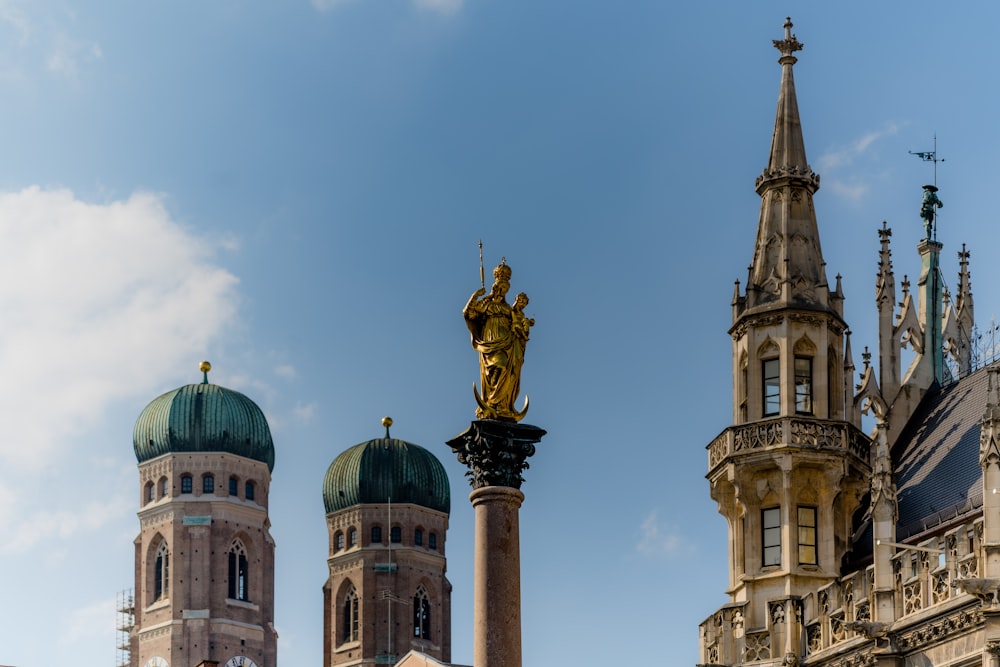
<point x="156" y="662"/>
<point x="241" y="661"/>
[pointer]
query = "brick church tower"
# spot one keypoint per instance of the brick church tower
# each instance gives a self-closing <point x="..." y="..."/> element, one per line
<point x="387" y="503"/>
<point x="204" y="557"/>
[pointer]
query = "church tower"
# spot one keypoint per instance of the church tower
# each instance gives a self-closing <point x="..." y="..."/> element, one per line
<point x="204" y="557"/>
<point x="790" y="472"/>
<point x="387" y="504"/>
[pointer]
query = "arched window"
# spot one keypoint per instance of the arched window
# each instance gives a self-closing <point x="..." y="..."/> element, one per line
<point x="396" y="535"/>
<point x="432" y="541"/>
<point x="338" y="540"/>
<point x="376" y="534"/>
<point x="187" y="484"/>
<point x="352" y="537"/>
<point x="418" y="537"/>
<point x="349" y="629"/>
<point x="234" y="486"/>
<point x="161" y="572"/>
<point x="421" y="614"/>
<point x="149" y="496"/>
<point x="249" y="491"/>
<point x="164" y="487"/>
<point x="208" y="484"/>
<point x="239" y="578"/>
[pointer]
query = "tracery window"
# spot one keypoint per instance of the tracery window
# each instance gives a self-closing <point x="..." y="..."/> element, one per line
<point x="349" y="628"/>
<point x="772" y="386"/>
<point x="421" y="614"/>
<point x="803" y="385"/>
<point x="807" y="535"/>
<point x="239" y="578"/>
<point x="771" y="522"/>
<point x="161" y="572"/>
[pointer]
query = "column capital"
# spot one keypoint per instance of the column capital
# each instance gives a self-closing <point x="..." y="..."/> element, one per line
<point x="496" y="452"/>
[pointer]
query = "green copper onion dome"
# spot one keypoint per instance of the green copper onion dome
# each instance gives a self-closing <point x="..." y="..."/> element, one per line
<point x="383" y="469"/>
<point x="203" y="418"/>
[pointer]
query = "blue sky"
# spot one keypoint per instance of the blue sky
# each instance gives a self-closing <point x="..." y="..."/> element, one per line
<point x="295" y="191"/>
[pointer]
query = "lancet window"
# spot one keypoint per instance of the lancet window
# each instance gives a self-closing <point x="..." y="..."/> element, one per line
<point x="421" y="614"/>
<point x="771" y="534"/>
<point x="803" y="386"/>
<point x="161" y="572"/>
<point x="351" y="620"/>
<point x="772" y="386"/>
<point x="807" y="536"/>
<point x="239" y="576"/>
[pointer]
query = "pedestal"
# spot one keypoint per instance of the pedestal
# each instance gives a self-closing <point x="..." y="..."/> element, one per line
<point x="496" y="453"/>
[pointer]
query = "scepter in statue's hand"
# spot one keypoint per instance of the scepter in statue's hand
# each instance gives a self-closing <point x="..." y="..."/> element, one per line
<point x="482" y="274"/>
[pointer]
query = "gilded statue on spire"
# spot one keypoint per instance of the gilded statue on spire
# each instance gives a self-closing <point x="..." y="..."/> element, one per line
<point x="499" y="334"/>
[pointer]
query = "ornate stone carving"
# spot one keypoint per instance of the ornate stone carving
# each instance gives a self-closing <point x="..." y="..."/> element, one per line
<point x="814" y="638"/>
<point x="758" y="647"/>
<point x="777" y="613"/>
<point x="496" y="452"/>
<point x="941" y="628"/>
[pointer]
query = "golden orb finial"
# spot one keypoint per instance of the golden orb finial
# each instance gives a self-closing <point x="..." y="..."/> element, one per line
<point x="387" y="422"/>
<point x="205" y="367"/>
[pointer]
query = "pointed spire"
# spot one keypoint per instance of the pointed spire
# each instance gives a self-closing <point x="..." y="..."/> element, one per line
<point x="885" y="283"/>
<point x="788" y="150"/>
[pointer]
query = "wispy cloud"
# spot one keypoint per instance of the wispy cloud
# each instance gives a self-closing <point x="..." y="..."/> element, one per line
<point x="843" y="156"/>
<point x="657" y="540"/>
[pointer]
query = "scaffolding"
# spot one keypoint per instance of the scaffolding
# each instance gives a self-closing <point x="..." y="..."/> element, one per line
<point x="125" y="614"/>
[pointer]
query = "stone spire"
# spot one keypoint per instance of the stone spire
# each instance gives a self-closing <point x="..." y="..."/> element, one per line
<point x="788" y="268"/>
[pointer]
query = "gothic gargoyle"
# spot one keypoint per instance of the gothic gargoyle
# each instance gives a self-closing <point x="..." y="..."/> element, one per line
<point x="869" y="629"/>
<point x="987" y="590"/>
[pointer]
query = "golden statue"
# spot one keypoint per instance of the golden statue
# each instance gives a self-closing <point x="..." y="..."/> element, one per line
<point x="499" y="334"/>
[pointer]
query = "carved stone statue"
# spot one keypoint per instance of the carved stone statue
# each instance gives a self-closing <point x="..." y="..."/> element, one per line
<point x="499" y="334"/>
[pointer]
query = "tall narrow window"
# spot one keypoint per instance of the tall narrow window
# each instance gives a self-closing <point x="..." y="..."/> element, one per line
<point x="352" y="537"/>
<point x="432" y="541"/>
<point x="161" y="572"/>
<point x="349" y="631"/>
<point x="208" y="484"/>
<point x="164" y="487"/>
<point x="418" y="537"/>
<point x="743" y="392"/>
<point x="771" y="520"/>
<point x="186" y="484"/>
<point x="396" y="535"/>
<point x="250" y="491"/>
<point x="421" y="614"/>
<point x="772" y="386"/>
<point x="149" y="492"/>
<point x="803" y="385"/>
<point x="239" y="583"/>
<point x="376" y="534"/>
<point x="807" y="535"/>
<point x="338" y="540"/>
<point x="234" y="486"/>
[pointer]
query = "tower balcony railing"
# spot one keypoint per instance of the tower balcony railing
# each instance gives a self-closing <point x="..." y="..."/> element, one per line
<point x="798" y="431"/>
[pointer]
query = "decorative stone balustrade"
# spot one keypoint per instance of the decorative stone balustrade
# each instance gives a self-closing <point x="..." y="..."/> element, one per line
<point x="801" y="432"/>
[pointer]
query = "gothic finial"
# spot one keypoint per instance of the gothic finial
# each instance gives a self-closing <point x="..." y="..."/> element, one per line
<point x="866" y="356"/>
<point x="789" y="44"/>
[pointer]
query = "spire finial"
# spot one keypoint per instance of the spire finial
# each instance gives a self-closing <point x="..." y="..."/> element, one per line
<point x="789" y="44"/>
<point x="387" y="422"/>
<point x="204" y="367"/>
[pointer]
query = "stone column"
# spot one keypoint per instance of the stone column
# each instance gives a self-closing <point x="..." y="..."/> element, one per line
<point x="496" y="453"/>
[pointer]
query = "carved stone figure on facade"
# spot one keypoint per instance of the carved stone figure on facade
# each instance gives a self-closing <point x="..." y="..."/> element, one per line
<point x="927" y="210"/>
<point x="499" y="334"/>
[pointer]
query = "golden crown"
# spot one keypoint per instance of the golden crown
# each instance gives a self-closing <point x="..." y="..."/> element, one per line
<point x="502" y="272"/>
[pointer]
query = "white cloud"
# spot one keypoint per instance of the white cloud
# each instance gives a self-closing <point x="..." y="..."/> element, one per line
<point x="844" y="155"/>
<point x="657" y="540"/>
<point x="26" y="530"/>
<point x="67" y="54"/>
<point x="99" y="302"/>
<point x="304" y="412"/>
<point x="286" y="371"/>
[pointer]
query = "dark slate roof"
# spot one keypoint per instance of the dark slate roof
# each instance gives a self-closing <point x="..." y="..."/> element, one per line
<point x="386" y="469"/>
<point x="936" y="458"/>
<point x="203" y="418"/>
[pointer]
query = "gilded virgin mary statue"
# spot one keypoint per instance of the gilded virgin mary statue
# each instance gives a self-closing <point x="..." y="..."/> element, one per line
<point x="499" y="334"/>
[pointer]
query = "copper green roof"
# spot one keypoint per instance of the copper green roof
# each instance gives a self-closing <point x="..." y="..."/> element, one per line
<point x="203" y="418"/>
<point x="383" y="469"/>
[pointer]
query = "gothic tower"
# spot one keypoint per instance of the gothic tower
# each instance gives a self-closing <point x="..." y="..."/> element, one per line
<point x="387" y="504"/>
<point x="204" y="557"/>
<point x="790" y="472"/>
